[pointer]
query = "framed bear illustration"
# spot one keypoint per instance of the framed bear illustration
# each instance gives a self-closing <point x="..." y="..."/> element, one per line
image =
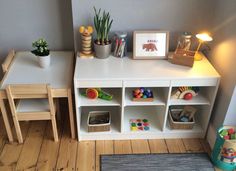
<point x="150" y="44"/>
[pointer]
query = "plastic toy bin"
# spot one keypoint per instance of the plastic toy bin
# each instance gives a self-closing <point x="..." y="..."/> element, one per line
<point x="224" y="152"/>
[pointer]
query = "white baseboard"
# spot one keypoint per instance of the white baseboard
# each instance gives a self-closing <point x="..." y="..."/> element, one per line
<point x="211" y="135"/>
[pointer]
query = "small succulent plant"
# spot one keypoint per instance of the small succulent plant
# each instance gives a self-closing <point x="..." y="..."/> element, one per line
<point x="41" y="47"/>
<point x="102" y="24"/>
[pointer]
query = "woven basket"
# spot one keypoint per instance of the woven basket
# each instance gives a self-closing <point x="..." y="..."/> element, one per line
<point x="180" y="125"/>
<point x="99" y="127"/>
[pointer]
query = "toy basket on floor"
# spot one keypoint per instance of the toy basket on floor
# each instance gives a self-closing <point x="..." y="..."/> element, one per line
<point x="224" y="152"/>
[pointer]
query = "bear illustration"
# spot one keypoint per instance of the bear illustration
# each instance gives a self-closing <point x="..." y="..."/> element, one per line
<point x="149" y="46"/>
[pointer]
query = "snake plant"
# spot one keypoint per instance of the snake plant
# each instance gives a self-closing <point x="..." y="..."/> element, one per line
<point x="102" y="24"/>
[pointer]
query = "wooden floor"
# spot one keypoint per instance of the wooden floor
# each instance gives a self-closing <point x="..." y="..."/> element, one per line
<point x="40" y="152"/>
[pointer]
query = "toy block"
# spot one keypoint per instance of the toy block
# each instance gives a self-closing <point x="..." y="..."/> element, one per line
<point x="233" y="136"/>
<point x="134" y="128"/>
<point x="226" y="137"/>
<point x="139" y="125"/>
<point x="224" y="132"/>
<point x="231" y="131"/>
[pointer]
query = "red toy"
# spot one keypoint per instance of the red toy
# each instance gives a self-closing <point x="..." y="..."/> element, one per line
<point x="142" y="94"/>
<point x="188" y="96"/>
<point x="231" y="131"/>
<point x="92" y="93"/>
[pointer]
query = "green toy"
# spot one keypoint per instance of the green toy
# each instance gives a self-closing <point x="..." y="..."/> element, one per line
<point x="94" y="93"/>
<point x="224" y="132"/>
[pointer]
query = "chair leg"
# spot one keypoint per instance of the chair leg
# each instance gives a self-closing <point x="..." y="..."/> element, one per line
<point x="18" y="130"/>
<point x="54" y="128"/>
<point x="58" y="111"/>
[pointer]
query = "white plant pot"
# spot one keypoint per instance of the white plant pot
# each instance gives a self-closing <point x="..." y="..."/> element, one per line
<point x="44" y="61"/>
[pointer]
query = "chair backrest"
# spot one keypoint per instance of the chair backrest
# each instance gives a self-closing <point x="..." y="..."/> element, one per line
<point x="7" y="62"/>
<point x="29" y="91"/>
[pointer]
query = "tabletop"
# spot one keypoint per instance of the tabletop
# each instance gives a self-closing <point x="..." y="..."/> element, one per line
<point x="113" y="68"/>
<point x="26" y="70"/>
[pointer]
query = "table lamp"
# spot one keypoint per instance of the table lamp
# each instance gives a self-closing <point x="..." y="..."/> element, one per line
<point x="202" y="37"/>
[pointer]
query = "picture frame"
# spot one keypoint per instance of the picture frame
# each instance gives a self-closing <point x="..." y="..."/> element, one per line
<point x="151" y="44"/>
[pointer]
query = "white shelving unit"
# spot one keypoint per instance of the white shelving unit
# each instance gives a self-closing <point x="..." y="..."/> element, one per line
<point x="119" y="76"/>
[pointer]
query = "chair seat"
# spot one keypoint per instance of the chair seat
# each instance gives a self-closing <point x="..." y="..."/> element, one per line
<point x="31" y="102"/>
<point x="33" y="105"/>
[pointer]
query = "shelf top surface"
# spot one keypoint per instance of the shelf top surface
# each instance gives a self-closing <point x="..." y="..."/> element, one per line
<point x="113" y="68"/>
<point x="25" y="70"/>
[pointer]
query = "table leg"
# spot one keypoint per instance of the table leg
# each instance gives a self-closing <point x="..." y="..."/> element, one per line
<point x="6" y="121"/>
<point x="71" y="114"/>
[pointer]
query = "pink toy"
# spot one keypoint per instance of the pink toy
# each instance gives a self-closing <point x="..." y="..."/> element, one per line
<point x="226" y="137"/>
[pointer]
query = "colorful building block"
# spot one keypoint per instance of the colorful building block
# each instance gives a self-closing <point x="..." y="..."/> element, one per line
<point x="224" y="132"/>
<point x="139" y="125"/>
<point x="231" y="131"/>
<point x="226" y="137"/>
<point x="233" y="136"/>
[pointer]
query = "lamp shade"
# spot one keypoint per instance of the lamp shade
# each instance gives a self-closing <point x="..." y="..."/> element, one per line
<point x="204" y="37"/>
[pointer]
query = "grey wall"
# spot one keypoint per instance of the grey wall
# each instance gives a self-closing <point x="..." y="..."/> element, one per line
<point x="223" y="56"/>
<point x="23" y="21"/>
<point x="173" y="15"/>
<point x="230" y="118"/>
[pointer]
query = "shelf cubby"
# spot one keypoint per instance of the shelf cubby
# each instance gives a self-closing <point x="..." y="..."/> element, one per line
<point x="201" y="118"/>
<point x="158" y="94"/>
<point x="116" y="101"/>
<point x="115" y="122"/>
<point x="154" y="114"/>
<point x="202" y="98"/>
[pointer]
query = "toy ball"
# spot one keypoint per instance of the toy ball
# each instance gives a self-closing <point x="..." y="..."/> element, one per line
<point x="142" y="93"/>
<point x="188" y="96"/>
<point x="136" y="91"/>
<point x="142" y="88"/>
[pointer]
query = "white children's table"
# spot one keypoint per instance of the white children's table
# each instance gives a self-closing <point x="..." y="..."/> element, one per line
<point x="25" y="69"/>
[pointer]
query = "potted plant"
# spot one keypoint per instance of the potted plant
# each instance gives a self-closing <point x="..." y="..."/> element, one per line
<point x="42" y="52"/>
<point x="102" y="24"/>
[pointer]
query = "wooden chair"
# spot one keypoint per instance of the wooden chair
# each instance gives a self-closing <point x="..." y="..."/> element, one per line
<point x="31" y="102"/>
<point x="5" y="68"/>
<point x="7" y="62"/>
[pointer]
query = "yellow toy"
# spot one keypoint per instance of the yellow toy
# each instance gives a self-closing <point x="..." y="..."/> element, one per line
<point x="86" y="39"/>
